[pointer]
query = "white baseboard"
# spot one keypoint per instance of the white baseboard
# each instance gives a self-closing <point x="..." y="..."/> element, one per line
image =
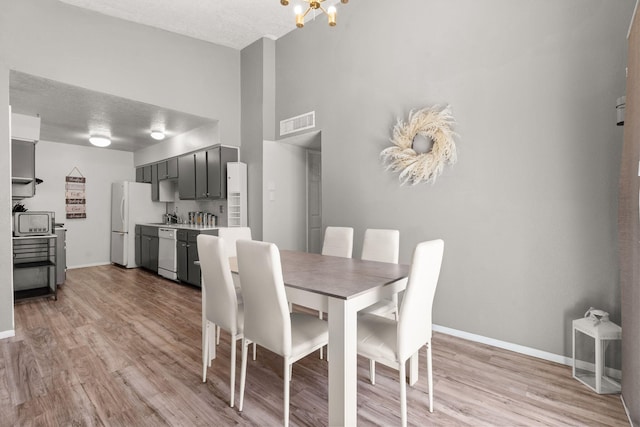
<point x="88" y="265"/>
<point x="7" y="334"/>
<point x="505" y="345"/>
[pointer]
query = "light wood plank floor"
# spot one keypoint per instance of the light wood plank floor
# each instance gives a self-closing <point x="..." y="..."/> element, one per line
<point x="122" y="348"/>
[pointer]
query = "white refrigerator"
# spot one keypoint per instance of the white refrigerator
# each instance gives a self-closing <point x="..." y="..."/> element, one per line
<point x="130" y="205"/>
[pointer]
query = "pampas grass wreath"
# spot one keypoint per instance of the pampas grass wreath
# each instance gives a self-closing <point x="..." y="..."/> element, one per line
<point x="414" y="168"/>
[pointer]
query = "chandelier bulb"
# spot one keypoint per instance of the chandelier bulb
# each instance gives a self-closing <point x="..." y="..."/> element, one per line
<point x="331" y="13"/>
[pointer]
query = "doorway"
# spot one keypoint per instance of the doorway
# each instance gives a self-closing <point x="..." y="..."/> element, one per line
<point x="314" y="201"/>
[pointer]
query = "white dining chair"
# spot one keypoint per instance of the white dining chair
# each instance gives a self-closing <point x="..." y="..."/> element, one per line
<point x="219" y="303"/>
<point x="383" y="246"/>
<point x="230" y="236"/>
<point x="268" y="321"/>
<point x="393" y="343"/>
<point x="338" y="241"/>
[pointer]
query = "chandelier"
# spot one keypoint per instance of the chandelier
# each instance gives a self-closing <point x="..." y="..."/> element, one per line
<point x="314" y="5"/>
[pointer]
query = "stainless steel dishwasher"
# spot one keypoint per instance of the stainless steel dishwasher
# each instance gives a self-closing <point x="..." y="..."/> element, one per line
<point x="167" y="259"/>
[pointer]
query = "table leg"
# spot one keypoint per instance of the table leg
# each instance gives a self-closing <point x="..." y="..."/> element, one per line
<point x="343" y="363"/>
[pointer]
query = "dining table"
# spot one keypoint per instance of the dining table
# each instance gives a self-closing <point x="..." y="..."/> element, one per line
<point x="340" y="287"/>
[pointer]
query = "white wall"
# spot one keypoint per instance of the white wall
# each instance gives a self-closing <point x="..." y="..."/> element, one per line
<point x="88" y="240"/>
<point x="284" y="195"/>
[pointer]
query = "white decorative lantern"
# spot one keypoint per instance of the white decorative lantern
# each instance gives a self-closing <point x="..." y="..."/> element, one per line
<point x="596" y="352"/>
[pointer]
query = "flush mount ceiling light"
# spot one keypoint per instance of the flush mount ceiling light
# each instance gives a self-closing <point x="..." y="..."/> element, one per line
<point x="100" y="141"/>
<point x="158" y="135"/>
<point x="314" y="5"/>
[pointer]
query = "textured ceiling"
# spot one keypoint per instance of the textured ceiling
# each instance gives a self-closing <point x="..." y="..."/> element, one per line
<point x="232" y="23"/>
<point x="70" y="114"/>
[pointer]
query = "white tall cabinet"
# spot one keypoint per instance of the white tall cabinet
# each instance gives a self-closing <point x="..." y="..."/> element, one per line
<point x="236" y="194"/>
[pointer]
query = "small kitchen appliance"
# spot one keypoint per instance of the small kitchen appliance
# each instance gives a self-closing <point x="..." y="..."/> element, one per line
<point x="33" y="223"/>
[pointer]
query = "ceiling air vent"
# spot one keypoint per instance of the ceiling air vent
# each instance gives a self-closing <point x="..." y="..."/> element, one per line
<point x="298" y="123"/>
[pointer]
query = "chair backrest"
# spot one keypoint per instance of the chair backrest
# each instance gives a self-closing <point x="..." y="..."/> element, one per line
<point x="221" y="301"/>
<point x="233" y="234"/>
<point x="414" y="324"/>
<point x="338" y="241"/>
<point x="266" y="312"/>
<point x="381" y="245"/>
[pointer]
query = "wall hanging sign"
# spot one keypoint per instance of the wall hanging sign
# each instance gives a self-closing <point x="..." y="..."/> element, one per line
<point x="75" y="195"/>
<point x="422" y="146"/>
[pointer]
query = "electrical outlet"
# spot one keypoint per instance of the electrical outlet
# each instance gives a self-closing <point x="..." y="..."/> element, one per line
<point x="221" y="208"/>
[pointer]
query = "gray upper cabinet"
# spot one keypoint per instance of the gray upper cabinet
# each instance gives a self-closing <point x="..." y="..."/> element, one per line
<point x="187" y="177"/>
<point x="217" y="159"/>
<point x="155" y="191"/>
<point x="203" y="175"/>
<point x="23" y="169"/>
<point x="168" y="169"/>
<point x="146" y="174"/>
<point x="140" y="174"/>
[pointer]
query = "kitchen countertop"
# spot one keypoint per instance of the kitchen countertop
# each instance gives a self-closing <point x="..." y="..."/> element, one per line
<point x="180" y="226"/>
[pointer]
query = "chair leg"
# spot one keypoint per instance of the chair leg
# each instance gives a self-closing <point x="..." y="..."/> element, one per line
<point x="372" y="371"/>
<point x="212" y="344"/>
<point x="243" y="372"/>
<point x="205" y="351"/>
<point x="218" y="336"/>
<point x="430" y="376"/>
<point x="254" y="351"/>
<point x="321" y="348"/>
<point x="287" y="378"/>
<point x="232" y="374"/>
<point x="403" y="393"/>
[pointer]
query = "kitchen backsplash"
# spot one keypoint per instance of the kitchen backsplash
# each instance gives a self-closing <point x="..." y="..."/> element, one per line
<point x="212" y="206"/>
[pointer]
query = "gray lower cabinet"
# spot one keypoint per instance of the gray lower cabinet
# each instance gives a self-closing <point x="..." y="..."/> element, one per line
<point x="138" y="241"/>
<point x="187" y="252"/>
<point x="148" y="248"/>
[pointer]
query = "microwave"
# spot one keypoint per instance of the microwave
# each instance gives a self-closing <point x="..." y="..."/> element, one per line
<point x="33" y="223"/>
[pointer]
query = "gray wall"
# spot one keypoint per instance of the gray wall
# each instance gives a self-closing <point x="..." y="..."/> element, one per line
<point x="60" y="42"/>
<point x="528" y="214"/>
<point x="6" y="270"/>
<point x="258" y="106"/>
<point x="285" y="195"/>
